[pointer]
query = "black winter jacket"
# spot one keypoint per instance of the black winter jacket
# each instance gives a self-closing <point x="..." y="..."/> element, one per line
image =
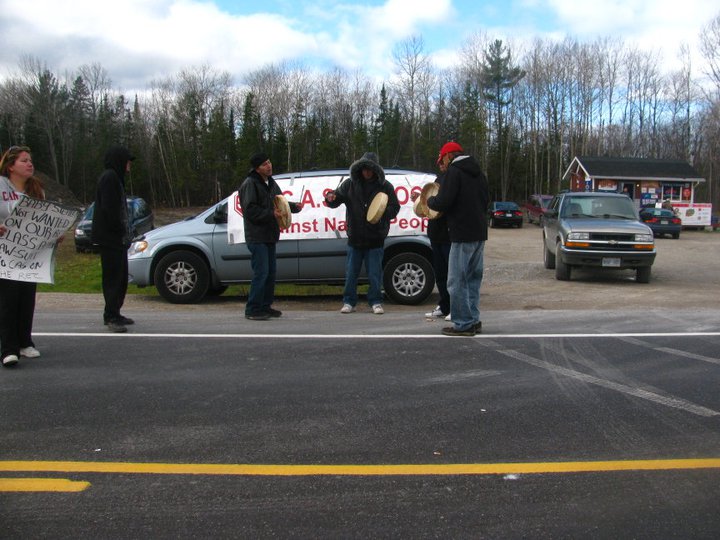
<point x="110" y="218"/>
<point x="357" y="194"/>
<point x="257" y="199"/>
<point x="463" y="198"/>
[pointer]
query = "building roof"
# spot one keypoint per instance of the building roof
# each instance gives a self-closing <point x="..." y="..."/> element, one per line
<point x="635" y="168"/>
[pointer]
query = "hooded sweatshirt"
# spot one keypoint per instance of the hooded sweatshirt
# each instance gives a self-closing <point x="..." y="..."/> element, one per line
<point x="357" y="194"/>
<point x="463" y="198"/>
<point x="110" y="219"/>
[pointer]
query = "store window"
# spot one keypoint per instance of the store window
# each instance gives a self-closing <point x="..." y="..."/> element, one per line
<point x="673" y="192"/>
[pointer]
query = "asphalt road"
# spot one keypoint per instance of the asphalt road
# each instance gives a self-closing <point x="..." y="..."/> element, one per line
<point x="198" y="423"/>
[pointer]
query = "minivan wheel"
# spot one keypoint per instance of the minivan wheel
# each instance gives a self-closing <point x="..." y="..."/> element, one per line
<point x="182" y="277"/>
<point x="408" y="278"/>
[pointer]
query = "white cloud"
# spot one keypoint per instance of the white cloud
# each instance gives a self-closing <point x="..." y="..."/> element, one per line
<point x="658" y="25"/>
<point x="140" y="40"/>
<point x="137" y="41"/>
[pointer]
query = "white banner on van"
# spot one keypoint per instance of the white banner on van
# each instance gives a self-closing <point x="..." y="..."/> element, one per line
<point x="317" y="220"/>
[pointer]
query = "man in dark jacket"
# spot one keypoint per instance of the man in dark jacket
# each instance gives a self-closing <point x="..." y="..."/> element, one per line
<point x="365" y="240"/>
<point x="262" y="232"/>
<point x="463" y="198"/>
<point x="111" y="233"/>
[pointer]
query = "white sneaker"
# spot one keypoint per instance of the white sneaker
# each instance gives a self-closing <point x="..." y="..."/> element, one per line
<point x="10" y="360"/>
<point x="378" y="309"/>
<point x="447" y="317"/>
<point x="347" y="308"/>
<point x="29" y="352"/>
<point x="437" y="312"/>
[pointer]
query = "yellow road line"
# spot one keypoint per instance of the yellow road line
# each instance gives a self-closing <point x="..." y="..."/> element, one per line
<point x="42" y="484"/>
<point x="358" y="470"/>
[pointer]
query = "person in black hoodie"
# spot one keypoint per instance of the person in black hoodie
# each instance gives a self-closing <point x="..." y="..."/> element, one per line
<point x="437" y="231"/>
<point x="111" y="233"/>
<point x="262" y="232"/>
<point x="365" y="240"/>
<point x="463" y="198"/>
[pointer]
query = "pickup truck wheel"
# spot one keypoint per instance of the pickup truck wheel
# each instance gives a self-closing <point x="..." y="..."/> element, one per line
<point x="642" y="274"/>
<point x="408" y="278"/>
<point x="182" y="277"/>
<point x="548" y="257"/>
<point x="562" y="270"/>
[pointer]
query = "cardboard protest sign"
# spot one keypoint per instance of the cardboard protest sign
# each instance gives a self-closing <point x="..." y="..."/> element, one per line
<point x="27" y="249"/>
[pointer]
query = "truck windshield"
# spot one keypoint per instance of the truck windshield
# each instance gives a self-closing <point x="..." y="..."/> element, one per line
<point x="599" y="207"/>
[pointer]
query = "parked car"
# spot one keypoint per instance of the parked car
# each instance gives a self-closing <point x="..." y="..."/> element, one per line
<point x="599" y="230"/>
<point x="140" y="215"/>
<point x="661" y="221"/>
<point x="188" y="260"/>
<point x="505" y="213"/>
<point x="535" y="208"/>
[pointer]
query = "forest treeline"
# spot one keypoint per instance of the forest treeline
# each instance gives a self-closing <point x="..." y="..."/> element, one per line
<point x="523" y="114"/>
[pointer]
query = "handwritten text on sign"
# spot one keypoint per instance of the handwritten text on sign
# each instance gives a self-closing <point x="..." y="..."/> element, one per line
<point x="27" y="249"/>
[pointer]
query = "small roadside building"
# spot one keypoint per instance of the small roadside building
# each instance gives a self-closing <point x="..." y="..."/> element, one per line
<point x="645" y="181"/>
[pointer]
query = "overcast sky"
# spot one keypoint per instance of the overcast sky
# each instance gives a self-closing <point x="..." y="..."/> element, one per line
<point x="137" y="41"/>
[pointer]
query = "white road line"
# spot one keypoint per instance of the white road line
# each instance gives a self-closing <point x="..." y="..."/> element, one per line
<point x="676" y="403"/>
<point x="689" y="355"/>
<point x="336" y="337"/>
<point x="677" y="352"/>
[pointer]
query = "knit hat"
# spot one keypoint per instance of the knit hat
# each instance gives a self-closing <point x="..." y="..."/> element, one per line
<point x="447" y="148"/>
<point x="258" y="159"/>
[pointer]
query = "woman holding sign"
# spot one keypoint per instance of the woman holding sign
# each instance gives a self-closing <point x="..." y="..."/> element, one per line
<point x="17" y="298"/>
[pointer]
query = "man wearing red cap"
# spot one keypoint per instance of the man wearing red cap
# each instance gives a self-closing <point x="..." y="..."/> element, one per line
<point x="463" y="198"/>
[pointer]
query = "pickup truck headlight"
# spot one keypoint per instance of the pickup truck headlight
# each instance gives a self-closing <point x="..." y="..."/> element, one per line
<point x="644" y="238"/>
<point x="578" y="236"/>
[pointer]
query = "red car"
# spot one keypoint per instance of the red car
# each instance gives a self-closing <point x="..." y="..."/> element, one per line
<point x="535" y="208"/>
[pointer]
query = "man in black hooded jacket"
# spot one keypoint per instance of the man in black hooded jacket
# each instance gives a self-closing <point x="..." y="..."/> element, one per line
<point x="365" y="240"/>
<point x="111" y="233"/>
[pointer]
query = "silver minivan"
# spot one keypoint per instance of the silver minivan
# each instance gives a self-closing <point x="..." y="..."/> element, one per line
<point x="191" y="259"/>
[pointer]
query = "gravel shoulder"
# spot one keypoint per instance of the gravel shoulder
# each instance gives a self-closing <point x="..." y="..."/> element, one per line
<point x="686" y="275"/>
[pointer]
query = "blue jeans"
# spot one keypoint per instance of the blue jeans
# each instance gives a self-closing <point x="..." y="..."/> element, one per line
<point x="262" y="286"/>
<point x="465" y="273"/>
<point x="373" y="265"/>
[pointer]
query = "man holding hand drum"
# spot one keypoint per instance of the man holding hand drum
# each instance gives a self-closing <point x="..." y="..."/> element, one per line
<point x="262" y="216"/>
<point x="370" y="204"/>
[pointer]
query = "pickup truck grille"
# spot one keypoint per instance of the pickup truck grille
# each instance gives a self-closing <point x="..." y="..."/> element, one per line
<point x="609" y="237"/>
